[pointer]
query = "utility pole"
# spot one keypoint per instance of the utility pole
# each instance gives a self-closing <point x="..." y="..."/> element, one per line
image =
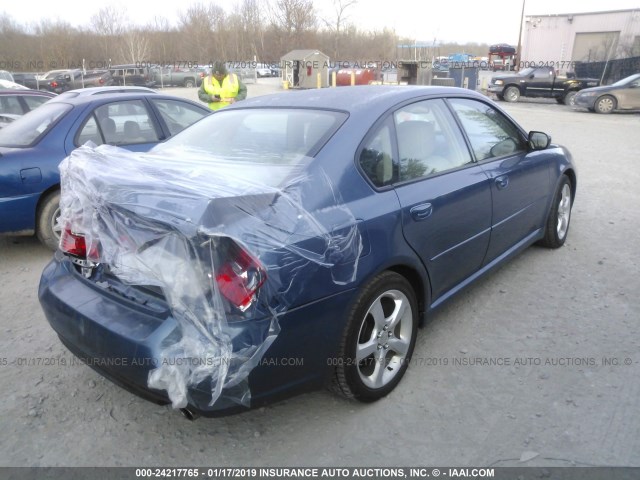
<point x="518" y="52"/>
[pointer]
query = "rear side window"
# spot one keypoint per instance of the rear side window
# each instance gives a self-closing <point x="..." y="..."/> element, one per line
<point x="90" y="132"/>
<point x="490" y="133"/>
<point x="376" y="157"/>
<point x="10" y="104"/>
<point x="119" y="123"/>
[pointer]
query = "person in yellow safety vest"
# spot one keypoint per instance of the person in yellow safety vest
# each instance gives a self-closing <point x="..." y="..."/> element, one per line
<point x="220" y="88"/>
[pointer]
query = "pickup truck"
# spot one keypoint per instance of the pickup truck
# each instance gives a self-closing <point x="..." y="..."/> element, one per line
<point x="134" y="75"/>
<point x="539" y="82"/>
<point x="72" y="79"/>
<point x="176" y="77"/>
<point x="29" y="80"/>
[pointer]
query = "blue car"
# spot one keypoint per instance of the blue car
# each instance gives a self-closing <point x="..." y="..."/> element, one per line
<point x="314" y="232"/>
<point x="32" y="146"/>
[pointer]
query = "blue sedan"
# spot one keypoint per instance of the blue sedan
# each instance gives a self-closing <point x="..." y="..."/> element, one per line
<point x="32" y="147"/>
<point x="295" y="241"/>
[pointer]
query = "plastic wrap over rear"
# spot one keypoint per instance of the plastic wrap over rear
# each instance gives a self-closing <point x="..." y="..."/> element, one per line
<point x="178" y="220"/>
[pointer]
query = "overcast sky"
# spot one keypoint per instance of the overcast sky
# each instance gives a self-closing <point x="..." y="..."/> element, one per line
<point x="452" y="20"/>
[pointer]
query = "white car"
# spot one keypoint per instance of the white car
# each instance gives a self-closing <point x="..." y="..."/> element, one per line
<point x="7" y="85"/>
<point x="263" y="72"/>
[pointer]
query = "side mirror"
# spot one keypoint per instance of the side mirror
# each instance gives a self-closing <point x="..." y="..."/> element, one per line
<point x="538" y="140"/>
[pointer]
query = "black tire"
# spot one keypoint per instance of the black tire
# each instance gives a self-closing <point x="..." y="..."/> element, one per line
<point x="189" y="83"/>
<point x="358" y="379"/>
<point x="558" y="221"/>
<point x="570" y="98"/>
<point x="605" y="104"/>
<point x="499" y="96"/>
<point x="560" y="100"/>
<point x="511" y="94"/>
<point x="48" y="213"/>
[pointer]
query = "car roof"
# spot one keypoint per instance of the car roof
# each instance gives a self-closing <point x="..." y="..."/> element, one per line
<point x="29" y="91"/>
<point x="86" y="92"/>
<point x="368" y="99"/>
<point x="128" y="65"/>
<point x="117" y="95"/>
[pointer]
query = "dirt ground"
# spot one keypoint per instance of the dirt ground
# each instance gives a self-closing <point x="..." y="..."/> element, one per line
<point x="563" y="324"/>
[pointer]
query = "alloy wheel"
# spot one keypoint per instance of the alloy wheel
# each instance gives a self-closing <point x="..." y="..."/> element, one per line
<point x="384" y="339"/>
<point x="564" y="211"/>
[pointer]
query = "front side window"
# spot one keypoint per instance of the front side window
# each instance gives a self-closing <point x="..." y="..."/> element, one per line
<point x="542" y="73"/>
<point x="429" y="141"/>
<point x="490" y="133"/>
<point x="178" y="115"/>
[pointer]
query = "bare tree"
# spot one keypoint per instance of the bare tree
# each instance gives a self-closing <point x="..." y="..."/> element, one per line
<point x="57" y="43"/>
<point x="204" y="26"/>
<point x="109" y="23"/>
<point x="266" y="29"/>
<point x="8" y="24"/>
<point x="135" y="45"/>
<point x="253" y="27"/>
<point x="162" y="40"/>
<point x="294" y="18"/>
<point x="10" y="32"/>
<point x="337" y="24"/>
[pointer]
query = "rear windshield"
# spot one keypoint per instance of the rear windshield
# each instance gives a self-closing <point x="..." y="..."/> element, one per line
<point x="30" y="128"/>
<point x="259" y="135"/>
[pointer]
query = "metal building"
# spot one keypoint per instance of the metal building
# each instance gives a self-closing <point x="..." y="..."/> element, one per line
<point x="301" y="68"/>
<point x="580" y="37"/>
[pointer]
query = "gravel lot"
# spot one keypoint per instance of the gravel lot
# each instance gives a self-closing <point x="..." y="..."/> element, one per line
<point x="553" y="316"/>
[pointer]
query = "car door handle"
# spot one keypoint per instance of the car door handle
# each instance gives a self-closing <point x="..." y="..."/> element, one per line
<point x="421" y="212"/>
<point x="502" y="181"/>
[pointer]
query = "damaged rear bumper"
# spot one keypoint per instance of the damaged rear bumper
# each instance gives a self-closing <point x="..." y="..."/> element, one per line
<point x="122" y="337"/>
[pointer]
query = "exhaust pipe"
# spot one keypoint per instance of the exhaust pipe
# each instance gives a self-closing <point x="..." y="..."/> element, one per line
<point x="188" y="414"/>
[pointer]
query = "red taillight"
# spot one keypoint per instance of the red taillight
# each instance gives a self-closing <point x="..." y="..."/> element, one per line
<point x="73" y="244"/>
<point x="240" y="278"/>
<point x="54" y="84"/>
<point x="101" y="81"/>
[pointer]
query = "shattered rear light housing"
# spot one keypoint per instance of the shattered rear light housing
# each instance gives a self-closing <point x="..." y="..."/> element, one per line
<point x="75" y="246"/>
<point x="240" y="277"/>
<point x="73" y="243"/>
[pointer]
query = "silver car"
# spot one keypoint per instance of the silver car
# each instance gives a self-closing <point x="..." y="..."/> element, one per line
<point x="622" y="95"/>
